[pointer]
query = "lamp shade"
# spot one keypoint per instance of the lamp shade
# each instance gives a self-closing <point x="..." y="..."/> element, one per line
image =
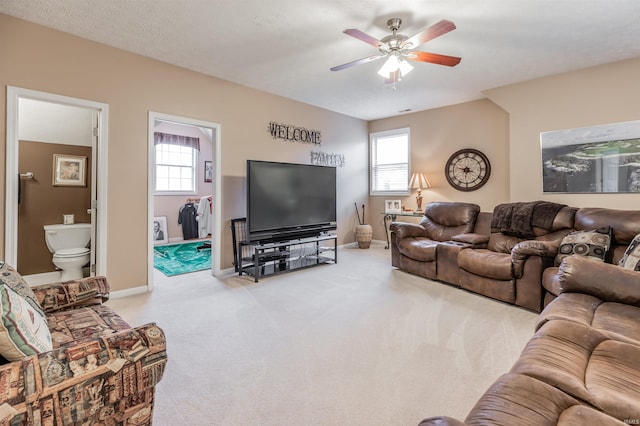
<point x="405" y="68"/>
<point x="419" y="181"/>
<point x="393" y="64"/>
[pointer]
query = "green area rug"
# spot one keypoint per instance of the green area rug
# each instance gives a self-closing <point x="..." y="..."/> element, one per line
<point x="176" y="259"/>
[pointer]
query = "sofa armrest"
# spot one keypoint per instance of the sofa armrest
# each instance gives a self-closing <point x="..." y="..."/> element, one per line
<point x="441" y="421"/>
<point x="525" y="249"/>
<point x="611" y="283"/>
<point x="113" y="376"/>
<point x="72" y="294"/>
<point x="474" y="240"/>
<point x="404" y="230"/>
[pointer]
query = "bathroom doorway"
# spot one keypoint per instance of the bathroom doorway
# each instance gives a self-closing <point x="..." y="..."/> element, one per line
<point x="47" y="134"/>
<point x="166" y="203"/>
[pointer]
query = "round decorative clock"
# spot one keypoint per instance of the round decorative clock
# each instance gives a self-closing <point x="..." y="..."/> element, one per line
<point x="467" y="169"/>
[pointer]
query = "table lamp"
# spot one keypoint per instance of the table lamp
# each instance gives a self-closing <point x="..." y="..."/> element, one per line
<point x="419" y="181"/>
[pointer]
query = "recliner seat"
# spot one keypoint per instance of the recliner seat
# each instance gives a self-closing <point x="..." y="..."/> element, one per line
<point x="414" y="246"/>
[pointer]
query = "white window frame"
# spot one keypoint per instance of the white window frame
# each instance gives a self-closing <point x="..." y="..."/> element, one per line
<point x="373" y="138"/>
<point x="195" y="176"/>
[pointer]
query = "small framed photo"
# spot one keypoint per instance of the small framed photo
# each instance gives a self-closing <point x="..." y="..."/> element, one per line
<point x="392" y="206"/>
<point x="160" y="234"/>
<point x="69" y="170"/>
<point x="208" y="171"/>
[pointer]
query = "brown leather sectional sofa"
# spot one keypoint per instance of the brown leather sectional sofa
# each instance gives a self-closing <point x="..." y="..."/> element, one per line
<point x="458" y="244"/>
<point x="582" y="365"/>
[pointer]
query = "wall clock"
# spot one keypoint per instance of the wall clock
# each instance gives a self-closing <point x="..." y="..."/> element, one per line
<point x="467" y="169"/>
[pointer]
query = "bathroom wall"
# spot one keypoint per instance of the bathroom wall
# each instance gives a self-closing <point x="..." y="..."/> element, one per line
<point x="41" y="203"/>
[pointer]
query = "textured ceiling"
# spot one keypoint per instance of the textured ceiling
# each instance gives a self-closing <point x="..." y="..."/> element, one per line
<point x="286" y="47"/>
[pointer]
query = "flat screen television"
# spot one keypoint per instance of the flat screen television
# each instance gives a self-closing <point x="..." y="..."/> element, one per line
<point x="287" y="201"/>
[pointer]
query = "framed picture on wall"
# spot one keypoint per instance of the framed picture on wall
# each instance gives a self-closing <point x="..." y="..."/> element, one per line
<point x="69" y="170"/>
<point x="208" y="171"/>
<point x="392" y="206"/>
<point x="160" y="234"/>
<point x="604" y="158"/>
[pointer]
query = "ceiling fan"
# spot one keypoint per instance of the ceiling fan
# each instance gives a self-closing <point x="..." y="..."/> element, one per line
<point x="398" y="48"/>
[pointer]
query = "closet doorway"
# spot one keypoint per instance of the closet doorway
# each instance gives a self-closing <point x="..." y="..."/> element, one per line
<point x="204" y="138"/>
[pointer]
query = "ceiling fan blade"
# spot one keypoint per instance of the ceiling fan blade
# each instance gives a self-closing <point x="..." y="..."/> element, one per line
<point x="434" y="58"/>
<point x="435" y="30"/>
<point x="357" y="62"/>
<point x="364" y="37"/>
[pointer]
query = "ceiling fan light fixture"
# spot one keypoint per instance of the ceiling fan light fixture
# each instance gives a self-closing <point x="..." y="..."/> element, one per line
<point x="397" y="49"/>
<point x="391" y="65"/>
<point x="394" y="64"/>
<point x="405" y="68"/>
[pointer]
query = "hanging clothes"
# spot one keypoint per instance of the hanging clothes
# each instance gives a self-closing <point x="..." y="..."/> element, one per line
<point x="187" y="218"/>
<point x="205" y="217"/>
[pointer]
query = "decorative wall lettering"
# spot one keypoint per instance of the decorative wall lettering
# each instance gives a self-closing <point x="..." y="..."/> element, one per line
<point x="320" y="158"/>
<point x="294" y="134"/>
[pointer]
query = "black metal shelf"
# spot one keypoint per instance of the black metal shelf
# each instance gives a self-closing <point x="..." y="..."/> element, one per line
<point x="285" y="256"/>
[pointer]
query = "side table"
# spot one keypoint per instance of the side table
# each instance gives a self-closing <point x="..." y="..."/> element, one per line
<point x="392" y="217"/>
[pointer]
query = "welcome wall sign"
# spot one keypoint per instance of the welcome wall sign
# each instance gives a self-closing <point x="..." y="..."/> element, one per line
<point x="294" y="134"/>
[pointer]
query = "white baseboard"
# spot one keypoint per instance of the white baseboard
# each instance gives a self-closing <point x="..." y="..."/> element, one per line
<point x="228" y="271"/>
<point x="43" y="278"/>
<point x="54" y="277"/>
<point x="128" y="292"/>
<point x="355" y="244"/>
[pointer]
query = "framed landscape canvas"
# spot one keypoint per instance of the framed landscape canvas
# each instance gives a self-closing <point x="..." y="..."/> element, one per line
<point x="594" y="159"/>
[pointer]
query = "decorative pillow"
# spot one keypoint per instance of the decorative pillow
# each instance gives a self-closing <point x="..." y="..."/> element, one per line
<point x="593" y="244"/>
<point x="631" y="258"/>
<point x="14" y="280"/>
<point x="23" y="330"/>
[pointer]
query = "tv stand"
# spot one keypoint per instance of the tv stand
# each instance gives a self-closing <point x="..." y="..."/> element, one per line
<point x="271" y="258"/>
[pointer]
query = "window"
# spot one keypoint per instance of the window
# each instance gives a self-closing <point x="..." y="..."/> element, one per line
<point x="389" y="166"/>
<point x="175" y="169"/>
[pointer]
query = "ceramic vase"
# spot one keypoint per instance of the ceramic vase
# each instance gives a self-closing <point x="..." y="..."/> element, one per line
<point x="364" y="233"/>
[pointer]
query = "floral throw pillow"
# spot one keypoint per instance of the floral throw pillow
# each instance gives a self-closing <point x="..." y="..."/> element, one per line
<point x="593" y="244"/>
<point x="13" y="279"/>
<point x="23" y="331"/>
<point x="631" y="258"/>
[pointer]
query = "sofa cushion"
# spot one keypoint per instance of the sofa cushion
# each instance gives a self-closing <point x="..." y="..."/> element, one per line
<point x="442" y="220"/>
<point x="551" y="281"/>
<point x="625" y="224"/>
<point x="77" y="325"/>
<point x="586" y="364"/>
<point x="516" y="399"/>
<point x="13" y="279"/>
<point x="631" y="257"/>
<point x="618" y="321"/>
<point x="594" y="244"/>
<point x="420" y="249"/>
<point x="23" y="329"/>
<point x="486" y="263"/>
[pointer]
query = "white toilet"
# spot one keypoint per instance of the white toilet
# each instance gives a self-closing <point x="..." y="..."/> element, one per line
<point x="69" y="245"/>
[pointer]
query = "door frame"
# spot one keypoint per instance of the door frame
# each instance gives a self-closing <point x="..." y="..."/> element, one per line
<point x="99" y="166"/>
<point x="216" y="189"/>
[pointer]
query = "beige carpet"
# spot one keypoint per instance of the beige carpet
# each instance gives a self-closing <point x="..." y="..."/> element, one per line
<point x="356" y="343"/>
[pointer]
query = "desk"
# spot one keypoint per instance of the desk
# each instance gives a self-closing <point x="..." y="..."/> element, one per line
<point x="393" y="216"/>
